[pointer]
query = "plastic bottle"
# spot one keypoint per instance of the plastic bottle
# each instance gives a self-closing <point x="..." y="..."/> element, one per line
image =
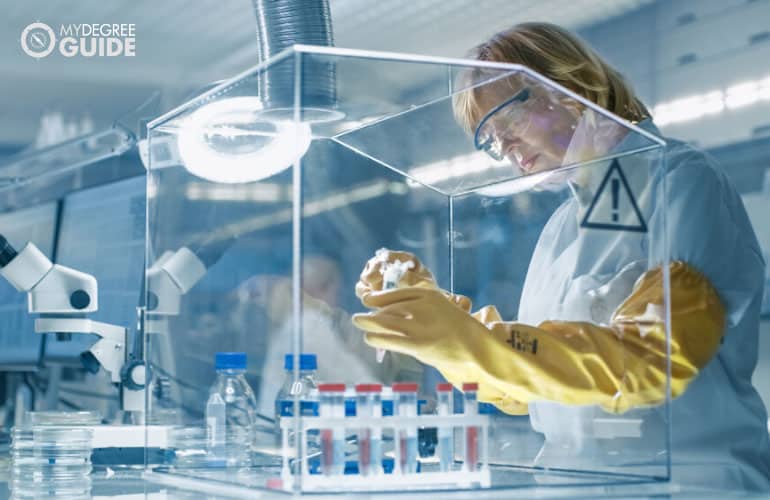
<point x="305" y="387"/>
<point x="240" y="408"/>
<point x="216" y="426"/>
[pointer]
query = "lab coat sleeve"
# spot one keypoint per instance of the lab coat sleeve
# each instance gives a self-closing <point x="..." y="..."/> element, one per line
<point x="716" y="276"/>
<point x="620" y="366"/>
<point x="707" y="227"/>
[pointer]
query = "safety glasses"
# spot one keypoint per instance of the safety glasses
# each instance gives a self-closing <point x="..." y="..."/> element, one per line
<point x="506" y="120"/>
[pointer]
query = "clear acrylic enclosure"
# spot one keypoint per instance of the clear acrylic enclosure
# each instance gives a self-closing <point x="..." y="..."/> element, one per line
<point x="268" y="194"/>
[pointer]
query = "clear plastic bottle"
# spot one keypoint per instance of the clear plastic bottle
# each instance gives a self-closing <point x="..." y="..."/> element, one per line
<point x="305" y="387"/>
<point x="216" y="415"/>
<point x="240" y="407"/>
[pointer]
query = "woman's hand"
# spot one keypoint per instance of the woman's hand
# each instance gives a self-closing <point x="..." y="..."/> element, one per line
<point x="371" y="277"/>
<point x="422" y="323"/>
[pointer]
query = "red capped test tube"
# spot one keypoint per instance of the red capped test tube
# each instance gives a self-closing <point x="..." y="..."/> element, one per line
<point x="405" y="405"/>
<point x="471" y="441"/>
<point x="445" y="432"/>
<point x="332" y="405"/>
<point x="369" y="405"/>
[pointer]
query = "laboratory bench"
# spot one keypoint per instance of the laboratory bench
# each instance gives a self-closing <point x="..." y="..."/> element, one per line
<point x="136" y="483"/>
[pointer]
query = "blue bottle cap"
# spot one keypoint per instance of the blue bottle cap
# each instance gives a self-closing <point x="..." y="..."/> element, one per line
<point x="306" y="362"/>
<point x="230" y="361"/>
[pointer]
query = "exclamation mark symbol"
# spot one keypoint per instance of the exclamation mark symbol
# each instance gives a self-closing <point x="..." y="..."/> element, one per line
<point x="615" y="192"/>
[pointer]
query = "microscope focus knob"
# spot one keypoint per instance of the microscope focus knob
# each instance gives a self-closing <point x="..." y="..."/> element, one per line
<point x="134" y="376"/>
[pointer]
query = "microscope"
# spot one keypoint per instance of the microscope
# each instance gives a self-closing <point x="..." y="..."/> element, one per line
<point x="174" y="273"/>
<point x="62" y="298"/>
<point x="168" y="279"/>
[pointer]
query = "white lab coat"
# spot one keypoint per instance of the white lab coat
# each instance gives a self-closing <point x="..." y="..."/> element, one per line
<point x="719" y="432"/>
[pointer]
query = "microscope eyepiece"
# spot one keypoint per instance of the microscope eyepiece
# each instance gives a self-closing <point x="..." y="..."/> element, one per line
<point x="7" y="252"/>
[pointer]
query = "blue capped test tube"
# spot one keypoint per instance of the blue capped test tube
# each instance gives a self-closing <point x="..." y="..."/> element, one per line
<point x="332" y="404"/>
<point x="405" y="405"/>
<point x="369" y="405"/>
<point x="445" y="432"/>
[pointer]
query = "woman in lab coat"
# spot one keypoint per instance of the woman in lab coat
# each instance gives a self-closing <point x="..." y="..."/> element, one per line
<point x="589" y="341"/>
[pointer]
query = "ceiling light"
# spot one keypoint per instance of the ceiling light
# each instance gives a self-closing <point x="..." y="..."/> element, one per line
<point x="741" y="95"/>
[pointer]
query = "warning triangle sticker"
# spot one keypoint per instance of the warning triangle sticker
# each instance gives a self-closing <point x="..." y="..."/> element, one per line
<point x="614" y="206"/>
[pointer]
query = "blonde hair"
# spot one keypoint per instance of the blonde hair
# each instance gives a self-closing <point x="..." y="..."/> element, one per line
<point x="557" y="54"/>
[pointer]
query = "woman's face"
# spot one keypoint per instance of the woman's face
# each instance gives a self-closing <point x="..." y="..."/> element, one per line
<point x="532" y="134"/>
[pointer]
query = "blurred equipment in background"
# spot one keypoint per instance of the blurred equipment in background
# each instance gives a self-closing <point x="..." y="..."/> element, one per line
<point x="56" y="128"/>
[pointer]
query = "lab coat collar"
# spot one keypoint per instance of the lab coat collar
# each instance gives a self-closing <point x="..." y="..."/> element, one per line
<point x="584" y="190"/>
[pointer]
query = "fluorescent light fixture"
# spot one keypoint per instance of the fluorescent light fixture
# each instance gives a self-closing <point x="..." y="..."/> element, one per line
<point x="713" y="102"/>
<point x="764" y="89"/>
<point x="228" y="141"/>
<point x="262" y="192"/>
<point x="310" y="208"/>
<point x="689" y="108"/>
<point x="345" y="198"/>
<point x="514" y="186"/>
<point x="742" y="94"/>
<point x="459" y="166"/>
<point x="662" y="114"/>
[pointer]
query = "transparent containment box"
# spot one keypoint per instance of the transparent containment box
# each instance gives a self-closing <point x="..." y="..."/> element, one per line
<point x="269" y="193"/>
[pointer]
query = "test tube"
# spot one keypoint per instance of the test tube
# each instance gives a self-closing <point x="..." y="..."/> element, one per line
<point x="445" y="432"/>
<point x="471" y="408"/>
<point x="391" y="275"/>
<point x="405" y="402"/>
<point x="332" y="405"/>
<point x="369" y="405"/>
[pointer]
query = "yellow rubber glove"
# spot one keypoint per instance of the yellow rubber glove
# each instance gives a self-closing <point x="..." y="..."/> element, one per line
<point x="408" y="323"/>
<point x="487" y="393"/>
<point x="371" y="277"/>
<point x="419" y="276"/>
<point x="618" y="367"/>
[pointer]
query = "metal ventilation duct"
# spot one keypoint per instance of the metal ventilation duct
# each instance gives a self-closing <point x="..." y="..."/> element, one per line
<point x="281" y="24"/>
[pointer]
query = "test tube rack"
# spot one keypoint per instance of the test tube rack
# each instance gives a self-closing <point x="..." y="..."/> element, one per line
<point x="461" y="478"/>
